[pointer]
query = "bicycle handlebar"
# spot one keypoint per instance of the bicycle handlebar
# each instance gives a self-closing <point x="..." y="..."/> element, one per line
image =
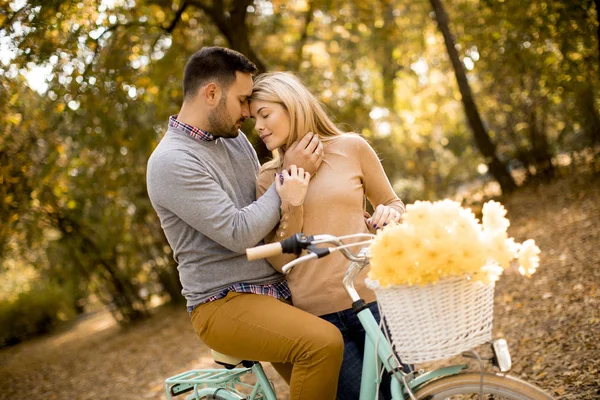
<point x="292" y="245"/>
<point x="297" y="243"/>
<point x="264" y="251"/>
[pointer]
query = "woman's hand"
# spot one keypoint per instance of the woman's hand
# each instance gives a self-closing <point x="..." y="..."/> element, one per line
<point x="305" y="153"/>
<point x="383" y="216"/>
<point x="294" y="185"/>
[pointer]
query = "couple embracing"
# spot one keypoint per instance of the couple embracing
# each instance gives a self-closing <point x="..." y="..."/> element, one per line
<point x="214" y="200"/>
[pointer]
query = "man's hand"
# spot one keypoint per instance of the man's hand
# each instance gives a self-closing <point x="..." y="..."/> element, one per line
<point x="306" y="153"/>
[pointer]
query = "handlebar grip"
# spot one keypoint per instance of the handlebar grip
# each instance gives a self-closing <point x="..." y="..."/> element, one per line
<point x="264" y="251"/>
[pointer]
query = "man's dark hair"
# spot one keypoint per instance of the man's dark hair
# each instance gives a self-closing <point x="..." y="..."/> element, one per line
<point x="217" y="64"/>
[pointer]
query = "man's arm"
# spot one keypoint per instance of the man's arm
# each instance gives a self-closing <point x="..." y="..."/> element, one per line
<point x="188" y="191"/>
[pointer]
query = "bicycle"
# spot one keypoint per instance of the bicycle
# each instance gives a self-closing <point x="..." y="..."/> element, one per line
<point x="452" y="381"/>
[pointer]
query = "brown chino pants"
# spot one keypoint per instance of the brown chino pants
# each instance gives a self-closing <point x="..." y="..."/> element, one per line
<point x="307" y="351"/>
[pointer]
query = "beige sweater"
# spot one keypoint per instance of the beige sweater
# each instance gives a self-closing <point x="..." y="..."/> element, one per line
<point x="334" y="204"/>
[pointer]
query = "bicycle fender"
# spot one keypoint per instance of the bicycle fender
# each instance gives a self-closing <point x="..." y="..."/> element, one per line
<point x="435" y="374"/>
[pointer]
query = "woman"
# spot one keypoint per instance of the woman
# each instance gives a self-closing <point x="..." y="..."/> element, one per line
<point x="284" y="110"/>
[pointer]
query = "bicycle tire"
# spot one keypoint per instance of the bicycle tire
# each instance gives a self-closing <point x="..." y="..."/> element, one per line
<point x="468" y="384"/>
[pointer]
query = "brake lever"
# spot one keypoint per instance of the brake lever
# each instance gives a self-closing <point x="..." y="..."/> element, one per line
<point x="296" y="243"/>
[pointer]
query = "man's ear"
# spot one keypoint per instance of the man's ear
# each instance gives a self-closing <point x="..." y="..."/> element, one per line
<point x="212" y="93"/>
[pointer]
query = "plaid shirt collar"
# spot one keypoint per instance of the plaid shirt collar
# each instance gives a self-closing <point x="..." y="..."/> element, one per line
<point x="194" y="132"/>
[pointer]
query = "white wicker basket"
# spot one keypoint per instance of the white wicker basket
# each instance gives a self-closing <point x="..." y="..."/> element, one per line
<point x="437" y="321"/>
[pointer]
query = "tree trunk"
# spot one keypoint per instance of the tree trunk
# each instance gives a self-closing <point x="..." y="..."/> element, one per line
<point x="124" y="293"/>
<point x="168" y="276"/>
<point x="389" y="67"/>
<point x="125" y="296"/>
<point x="232" y="24"/>
<point x="308" y="17"/>
<point x="498" y="169"/>
<point x="540" y="149"/>
<point x="597" y="2"/>
<point x="589" y="114"/>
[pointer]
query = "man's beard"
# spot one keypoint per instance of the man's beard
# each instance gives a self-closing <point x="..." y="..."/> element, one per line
<point x="219" y="121"/>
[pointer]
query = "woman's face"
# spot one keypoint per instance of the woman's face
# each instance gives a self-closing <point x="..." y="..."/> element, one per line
<point x="272" y="123"/>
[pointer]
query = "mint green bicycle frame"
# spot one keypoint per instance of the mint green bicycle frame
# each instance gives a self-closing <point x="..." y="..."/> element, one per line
<point x="377" y="344"/>
<point x="386" y="359"/>
<point x="378" y="353"/>
<point x="224" y="383"/>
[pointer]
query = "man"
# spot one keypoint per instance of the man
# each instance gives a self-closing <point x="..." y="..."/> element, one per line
<point x="201" y="182"/>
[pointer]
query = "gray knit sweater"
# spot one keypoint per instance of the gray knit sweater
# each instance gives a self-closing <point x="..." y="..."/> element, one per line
<point x="204" y="195"/>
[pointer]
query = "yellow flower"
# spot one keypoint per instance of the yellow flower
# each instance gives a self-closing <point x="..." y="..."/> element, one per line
<point x="442" y="239"/>
<point x="528" y="258"/>
<point x="493" y="217"/>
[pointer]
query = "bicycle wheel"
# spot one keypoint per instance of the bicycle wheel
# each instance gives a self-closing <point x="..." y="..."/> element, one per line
<point x="467" y="385"/>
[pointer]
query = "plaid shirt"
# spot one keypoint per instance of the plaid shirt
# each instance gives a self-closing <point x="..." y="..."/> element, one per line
<point x="194" y="132"/>
<point x="279" y="290"/>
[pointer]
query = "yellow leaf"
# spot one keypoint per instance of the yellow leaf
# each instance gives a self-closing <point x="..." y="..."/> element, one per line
<point x="15" y="119"/>
<point x="559" y="390"/>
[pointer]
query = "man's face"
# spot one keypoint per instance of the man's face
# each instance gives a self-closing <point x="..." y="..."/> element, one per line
<point x="227" y="117"/>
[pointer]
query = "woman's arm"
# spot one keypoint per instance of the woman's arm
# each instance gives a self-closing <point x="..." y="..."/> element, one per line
<point x="290" y="223"/>
<point x="388" y="207"/>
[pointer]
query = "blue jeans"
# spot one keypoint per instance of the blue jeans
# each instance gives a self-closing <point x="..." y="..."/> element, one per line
<point x="354" y="345"/>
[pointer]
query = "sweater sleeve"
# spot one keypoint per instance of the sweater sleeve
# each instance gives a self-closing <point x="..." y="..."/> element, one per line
<point x="187" y="189"/>
<point x="291" y="221"/>
<point x="377" y="186"/>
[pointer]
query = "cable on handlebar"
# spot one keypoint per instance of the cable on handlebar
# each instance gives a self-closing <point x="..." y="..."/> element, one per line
<point x="319" y="251"/>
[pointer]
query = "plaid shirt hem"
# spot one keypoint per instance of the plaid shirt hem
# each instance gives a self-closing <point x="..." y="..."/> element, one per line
<point x="279" y="290"/>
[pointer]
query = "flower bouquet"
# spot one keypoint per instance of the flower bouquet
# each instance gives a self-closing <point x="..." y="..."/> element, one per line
<point x="434" y="276"/>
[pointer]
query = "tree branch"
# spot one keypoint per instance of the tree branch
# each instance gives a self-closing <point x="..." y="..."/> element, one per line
<point x="169" y="29"/>
<point x="10" y="18"/>
<point x="114" y="27"/>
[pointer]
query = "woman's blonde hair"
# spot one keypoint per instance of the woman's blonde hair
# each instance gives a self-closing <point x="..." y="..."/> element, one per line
<point x="305" y="111"/>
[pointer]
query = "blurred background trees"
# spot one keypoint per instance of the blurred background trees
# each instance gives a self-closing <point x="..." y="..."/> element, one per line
<point x="489" y="91"/>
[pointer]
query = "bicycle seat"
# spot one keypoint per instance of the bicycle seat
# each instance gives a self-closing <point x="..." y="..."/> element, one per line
<point x="229" y="362"/>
